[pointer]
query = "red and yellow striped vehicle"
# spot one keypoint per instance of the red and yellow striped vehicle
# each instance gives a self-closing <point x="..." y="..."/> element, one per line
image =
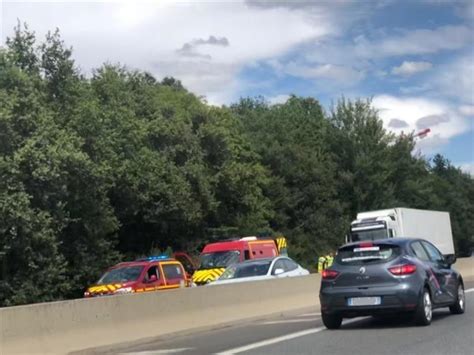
<point x="215" y="257"/>
<point x="143" y="275"/>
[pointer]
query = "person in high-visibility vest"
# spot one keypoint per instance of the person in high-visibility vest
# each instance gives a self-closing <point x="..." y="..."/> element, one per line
<point x="321" y="263"/>
<point x="329" y="259"/>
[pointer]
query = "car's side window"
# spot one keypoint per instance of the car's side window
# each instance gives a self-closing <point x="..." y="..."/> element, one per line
<point x="153" y="270"/>
<point x="290" y="265"/>
<point x="419" y="251"/>
<point x="434" y="253"/>
<point x="278" y="265"/>
<point x="246" y="255"/>
<point x="173" y="272"/>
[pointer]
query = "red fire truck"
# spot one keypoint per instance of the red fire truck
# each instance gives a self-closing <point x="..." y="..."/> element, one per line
<point x="215" y="257"/>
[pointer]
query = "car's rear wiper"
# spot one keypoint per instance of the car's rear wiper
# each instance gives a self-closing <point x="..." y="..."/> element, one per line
<point x="363" y="258"/>
<point x="372" y="259"/>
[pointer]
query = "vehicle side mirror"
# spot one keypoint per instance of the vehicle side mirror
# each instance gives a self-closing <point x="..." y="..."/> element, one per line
<point x="278" y="272"/>
<point x="450" y="259"/>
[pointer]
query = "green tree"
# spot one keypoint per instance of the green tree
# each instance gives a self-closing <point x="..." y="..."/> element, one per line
<point x="29" y="250"/>
<point x="119" y="165"/>
<point x="360" y="147"/>
<point x="454" y="191"/>
<point x="290" y="140"/>
<point x="22" y="52"/>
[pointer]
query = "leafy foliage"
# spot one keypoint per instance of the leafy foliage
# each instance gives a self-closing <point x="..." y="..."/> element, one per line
<point x="118" y="165"/>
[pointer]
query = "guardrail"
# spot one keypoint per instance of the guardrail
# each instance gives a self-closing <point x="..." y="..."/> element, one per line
<point x="62" y="327"/>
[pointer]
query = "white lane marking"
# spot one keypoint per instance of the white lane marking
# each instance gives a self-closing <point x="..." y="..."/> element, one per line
<point x="157" y="352"/>
<point x="284" y="321"/>
<point x="271" y="341"/>
<point x="469" y="290"/>
<point x="309" y="315"/>
<point x="282" y="338"/>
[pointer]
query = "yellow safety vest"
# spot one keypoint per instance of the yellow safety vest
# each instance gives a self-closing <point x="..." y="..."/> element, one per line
<point x="321" y="264"/>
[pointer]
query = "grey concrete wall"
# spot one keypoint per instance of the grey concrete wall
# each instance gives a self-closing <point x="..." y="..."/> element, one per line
<point x="61" y="327"/>
<point x="466" y="267"/>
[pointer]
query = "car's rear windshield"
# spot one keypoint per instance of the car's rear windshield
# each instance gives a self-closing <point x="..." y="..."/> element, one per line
<point x="366" y="253"/>
<point x="219" y="259"/>
<point x="254" y="268"/>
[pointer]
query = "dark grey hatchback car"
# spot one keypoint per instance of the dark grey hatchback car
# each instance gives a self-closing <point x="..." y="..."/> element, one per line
<point x="389" y="276"/>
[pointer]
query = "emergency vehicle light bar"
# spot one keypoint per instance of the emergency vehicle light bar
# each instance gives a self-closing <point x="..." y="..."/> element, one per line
<point x="153" y="258"/>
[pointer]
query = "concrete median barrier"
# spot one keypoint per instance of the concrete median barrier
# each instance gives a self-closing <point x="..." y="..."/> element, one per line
<point x="466" y="267"/>
<point x="62" y="327"/>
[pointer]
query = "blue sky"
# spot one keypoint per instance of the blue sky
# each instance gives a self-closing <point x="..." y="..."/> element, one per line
<point x="414" y="58"/>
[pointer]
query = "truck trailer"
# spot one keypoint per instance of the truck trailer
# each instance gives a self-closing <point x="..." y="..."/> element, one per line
<point x="434" y="226"/>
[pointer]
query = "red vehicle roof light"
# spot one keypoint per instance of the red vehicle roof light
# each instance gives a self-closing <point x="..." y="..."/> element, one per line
<point x="366" y="245"/>
<point x="329" y="274"/>
<point x="400" y="270"/>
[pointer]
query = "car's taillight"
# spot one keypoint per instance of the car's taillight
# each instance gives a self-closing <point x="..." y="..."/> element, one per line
<point x="402" y="269"/>
<point x="329" y="274"/>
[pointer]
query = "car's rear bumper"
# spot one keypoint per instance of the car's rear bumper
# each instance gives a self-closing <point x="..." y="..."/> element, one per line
<point x="402" y="297"/>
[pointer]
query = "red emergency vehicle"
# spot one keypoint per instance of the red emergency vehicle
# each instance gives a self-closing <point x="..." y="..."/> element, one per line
<point x="143" y="275"/>
<point x="215" y="257"/>
<point x="190" y="263"/>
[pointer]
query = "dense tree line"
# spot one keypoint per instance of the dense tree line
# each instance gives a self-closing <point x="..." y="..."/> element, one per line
<point x="104" y="168"/>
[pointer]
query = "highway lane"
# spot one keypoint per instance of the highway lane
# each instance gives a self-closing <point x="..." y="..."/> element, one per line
<point x="447" y="334"/>
<point x="302" y="332"/>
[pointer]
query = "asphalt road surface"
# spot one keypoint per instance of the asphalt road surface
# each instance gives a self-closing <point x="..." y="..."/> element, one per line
<point x="302" y="332"/>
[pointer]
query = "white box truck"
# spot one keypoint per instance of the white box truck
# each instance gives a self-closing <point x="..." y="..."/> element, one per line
<point x="433" y="226"/>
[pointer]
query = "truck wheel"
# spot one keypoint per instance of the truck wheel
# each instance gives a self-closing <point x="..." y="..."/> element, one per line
<point x="459" y="306"/>
<point x="332" y="321"/>
<point x="424" y="311"/>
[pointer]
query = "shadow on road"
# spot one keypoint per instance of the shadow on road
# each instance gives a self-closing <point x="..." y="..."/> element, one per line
<point x="392" y="321"/>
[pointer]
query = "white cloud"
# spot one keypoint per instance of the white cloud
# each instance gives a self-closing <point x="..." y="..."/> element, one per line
<point x="431" y="144"/>
<point x="416" y="89"/>
<point x="148" y="35"/>
<point x="366" y="52"/>
<point x="467" y="168"/>
<point x="456" y="80"/>
<point x="278" y="99"/>
<point x="340" y="74"/>
<point x="153" y="35"/>
<point x="408" y="68"/>
<point x="217" y="81"/>
<point x="420" y="41"/>
<point x="467" y="110"/>
<point x="418" y="113"/>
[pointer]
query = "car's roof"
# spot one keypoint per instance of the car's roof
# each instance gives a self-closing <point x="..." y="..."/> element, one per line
<point x="143" y="262"/>
<point x="262" y="260"/>
<point x="402" y="241"/>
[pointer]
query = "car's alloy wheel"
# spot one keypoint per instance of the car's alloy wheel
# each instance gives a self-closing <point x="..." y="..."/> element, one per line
<point x="460" y="305"/>
<point x="427" y="306"/>
<point x="424" y="312"/>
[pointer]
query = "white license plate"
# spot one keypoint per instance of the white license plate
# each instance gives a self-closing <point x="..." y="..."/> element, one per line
<point x="364" y="301"/>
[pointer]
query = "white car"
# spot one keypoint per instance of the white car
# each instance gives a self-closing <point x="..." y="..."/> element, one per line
<point x="260" y="269"/>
